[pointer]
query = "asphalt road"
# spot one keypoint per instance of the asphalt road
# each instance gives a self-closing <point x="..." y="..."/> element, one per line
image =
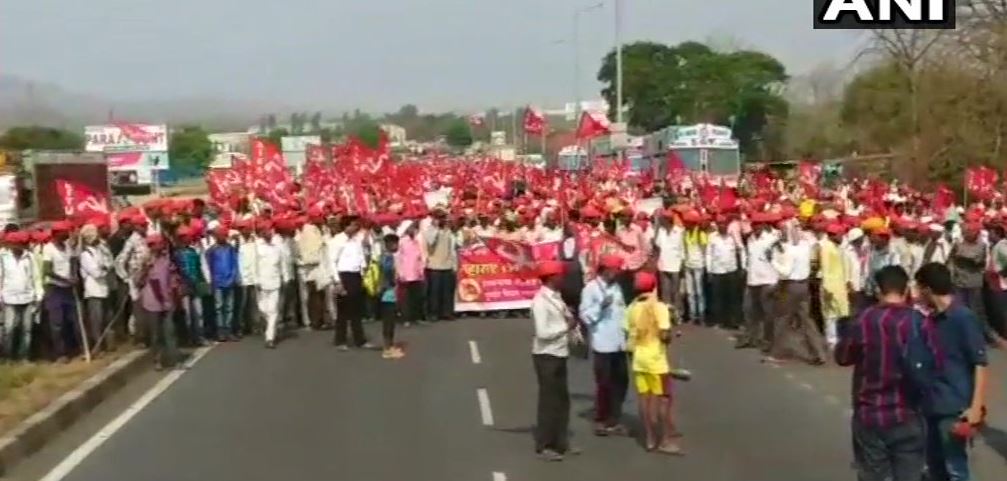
<point x="307" y="412"/>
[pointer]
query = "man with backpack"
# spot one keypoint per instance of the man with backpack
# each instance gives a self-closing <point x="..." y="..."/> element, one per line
<point x="887" y="426"/>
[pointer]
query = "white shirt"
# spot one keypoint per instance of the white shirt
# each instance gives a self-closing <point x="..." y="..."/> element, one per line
<point x="95" y="265"/>
<point x="794" y="263"/>
<point x="760" y="267"/>
<point x="671" y="248"/>
<point x="60" y="259"/>
<point x="17" y="279"/>
<point x="269" y="263"/>
<point x="347" y="254"/>
<point x="288" y="247"/>
<point x="722" y="254"/>
<point x="550" y="235"/>
<point x="549" y="314"/>
<point x="854" y="269"/>
<point x="247" y="260"/>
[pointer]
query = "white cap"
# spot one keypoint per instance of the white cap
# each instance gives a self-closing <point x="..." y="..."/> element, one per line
<point x="935" y="227"/>
<point x="854" y="234"/>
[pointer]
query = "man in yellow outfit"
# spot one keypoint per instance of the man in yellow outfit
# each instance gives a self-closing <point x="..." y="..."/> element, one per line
<point x="648" y="327"/>
<point x="835" y="294"/>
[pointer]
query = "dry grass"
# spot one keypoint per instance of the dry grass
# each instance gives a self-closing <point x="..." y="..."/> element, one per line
<point x="28" y="387"/>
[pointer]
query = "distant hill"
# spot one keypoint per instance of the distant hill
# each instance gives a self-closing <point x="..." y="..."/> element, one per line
<point x="25" y="102"/>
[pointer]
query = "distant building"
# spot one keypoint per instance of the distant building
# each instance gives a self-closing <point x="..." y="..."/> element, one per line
<point x="225" y="142"/>
<point x="396" y="134"/>
<point x="569" y="110"/>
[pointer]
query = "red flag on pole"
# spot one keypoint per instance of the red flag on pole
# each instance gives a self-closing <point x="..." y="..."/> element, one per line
<point x="592" y="124"/>
<point x="534" y="121"/>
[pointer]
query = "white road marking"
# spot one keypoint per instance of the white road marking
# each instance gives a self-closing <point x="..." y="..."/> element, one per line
<point x="84" y="450"/>
<point x="807" y="387"/>
<point x="474" y="350"/>
<point x="498" y="476"/>
<point x="484" y="407"/>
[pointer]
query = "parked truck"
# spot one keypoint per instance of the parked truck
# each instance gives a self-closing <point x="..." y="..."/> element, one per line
<point x="38" y="172"/>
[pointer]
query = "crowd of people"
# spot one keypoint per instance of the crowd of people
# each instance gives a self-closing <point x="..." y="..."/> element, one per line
<point x="786" y="271"/>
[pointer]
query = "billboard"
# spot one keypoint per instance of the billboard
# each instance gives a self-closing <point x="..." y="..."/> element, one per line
<point x="137" y="161"/>
<point x="126" y="138"/>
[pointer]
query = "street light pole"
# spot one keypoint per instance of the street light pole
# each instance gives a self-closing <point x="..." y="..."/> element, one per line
<point x="618" y="61"/>
<point x="576" y="54"/>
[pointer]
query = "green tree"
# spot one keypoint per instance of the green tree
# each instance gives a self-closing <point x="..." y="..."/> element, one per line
<point x="368" y="132"/>
<point x="43" y="138"/>
<point x="693" y="83"/>
<point x="316" y="122"/>
<point x="458" y="134"/>
<point x="190" y="149"/>
<point x="276" y="136"/>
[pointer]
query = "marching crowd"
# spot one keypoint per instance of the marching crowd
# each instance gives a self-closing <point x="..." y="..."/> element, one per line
<point x="786" y="272"/>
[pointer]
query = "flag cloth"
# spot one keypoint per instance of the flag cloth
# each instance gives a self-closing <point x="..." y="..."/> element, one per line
<point x="80" y="200"/>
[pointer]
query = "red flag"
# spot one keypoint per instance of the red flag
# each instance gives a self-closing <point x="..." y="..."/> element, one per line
<point x="676" y="168"/>
<point x="80" y="200"/>
<point x="809" y="172"/>
<point x="943" y="198"/>
<point x="980" y="181"/>
<point x="592" y="124"/>
<point x="534" y="121"/>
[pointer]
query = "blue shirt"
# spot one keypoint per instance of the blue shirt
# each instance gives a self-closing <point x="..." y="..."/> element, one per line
<point x="960" y="348"/>
<point x="223" y="263"/>
<point x="604" y="322"/>
<point x="388" y="278"/>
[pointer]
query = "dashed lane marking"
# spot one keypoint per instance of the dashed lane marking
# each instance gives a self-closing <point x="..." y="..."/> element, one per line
<point x="474" y="350"/>
<point x="498" y="476"/>
<point x="485" y="411"/>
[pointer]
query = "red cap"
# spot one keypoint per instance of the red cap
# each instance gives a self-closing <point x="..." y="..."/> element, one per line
<point x="882" y="231"/>
<point x="18" y="237"/>
<point x="610" y="261"/>
<point x="550" y="268"/>
<point x="221" y="231"/>
<point x="40" y="236"/>
<point x="155" y="240"/>
<point x="184" y="232"/>
<point x="835" y="228"/>
<point x="62" y="226"/>
<point x="140" y="220"/>
<point x="692" y="217"/>
<point x="644" y="281"/>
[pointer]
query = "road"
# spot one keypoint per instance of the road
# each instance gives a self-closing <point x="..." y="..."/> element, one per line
<point x="307" y="412"/>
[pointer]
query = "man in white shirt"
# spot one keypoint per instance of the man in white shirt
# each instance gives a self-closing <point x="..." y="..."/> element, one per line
<point x="349" y="259"/>
<point x="127" y="264"/>
<point x="669" y="241"/>
<point x="855" y="262"/>
<point x="723" y="253"/>
<point x="793" y="313"/>
<point x="270" y="278"/>
<point x="311" y="265"/>
<point x="554" y="323"/>
<point x="761" y="283"/>
<point x="289" y="302"/>
<point x="59" y="281"/>
<point x="19" y="295"/>
<point x="247" y="315"/>
<point x="95" y="267"/>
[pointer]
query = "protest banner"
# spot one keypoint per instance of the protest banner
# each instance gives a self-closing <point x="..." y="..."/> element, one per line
<point x="499" y="275"/>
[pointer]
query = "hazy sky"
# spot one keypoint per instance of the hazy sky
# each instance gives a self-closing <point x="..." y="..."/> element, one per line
<point x="375" y="54"/>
